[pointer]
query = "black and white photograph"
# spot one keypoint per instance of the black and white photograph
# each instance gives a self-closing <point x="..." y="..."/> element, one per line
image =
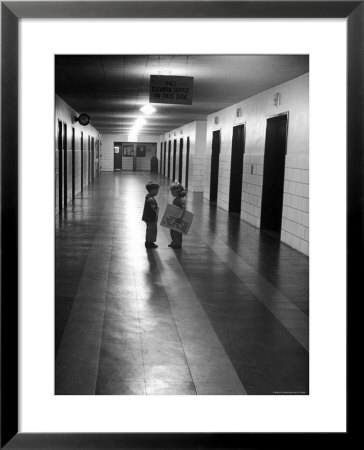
<point x="181" y="224"/>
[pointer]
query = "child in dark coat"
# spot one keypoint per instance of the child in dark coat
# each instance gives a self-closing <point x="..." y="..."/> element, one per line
<point x="179" y="194"/>
<point x="150" y="214"/>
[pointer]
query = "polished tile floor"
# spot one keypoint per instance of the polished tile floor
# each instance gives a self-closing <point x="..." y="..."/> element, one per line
<point x="225" y="315"/>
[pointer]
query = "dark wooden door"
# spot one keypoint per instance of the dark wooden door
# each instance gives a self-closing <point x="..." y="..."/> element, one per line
<point x="174" y="159"/>
<point x="60" y="165"/>
<point x="236" y="169"/>
<point x="161" y="158"/>
<point x="273" y="174"/>
<point x="215" y="155"/>
<point x="89" y="159"/>
<point x="169" y="158"/>
<point x="73" y="164"/>
<point x="81" y="161"/>
<point x="180" y="160"/>
<point x="118" y="156"/>
<point x="97" y="160"/>
<point x="92" y="158"/>
<point x="65" y="165"/>
<point x="187" y="161"/>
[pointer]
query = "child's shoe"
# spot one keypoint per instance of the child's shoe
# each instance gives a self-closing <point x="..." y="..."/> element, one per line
<point x="150" y="245"/>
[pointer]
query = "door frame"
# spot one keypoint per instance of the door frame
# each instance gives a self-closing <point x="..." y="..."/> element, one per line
<point x="187" y="160"/>
<point x="89" y="159"/>
<point x="65" y="163"/>
<point x="174" y="159"/>
<point x="60" y="164"/>
<point x="217" y="187"/>
<point x="286" y="113"/>
<point x="180" y="159"/>
<point x="92" y="158"/>
<point x="241" y="124"/>
<point x="73" y="147"/>
<point x="120" y="145"/>
<point x="273" y="116"/>
<point x="169" y="159"/>
<point x="82" y="161"/>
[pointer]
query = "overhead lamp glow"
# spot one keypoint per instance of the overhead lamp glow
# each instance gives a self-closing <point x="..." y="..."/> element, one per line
<point x="132" y="137"/>
<point x="136" y="126"/>
<point x="147" y="109"/>
<point x="140" y="121"/>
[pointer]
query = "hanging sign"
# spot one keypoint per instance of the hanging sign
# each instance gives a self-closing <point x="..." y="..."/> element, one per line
<point x="171" y="89"/>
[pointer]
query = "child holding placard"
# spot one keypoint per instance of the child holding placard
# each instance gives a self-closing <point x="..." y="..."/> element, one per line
<point x="179" y="194"/>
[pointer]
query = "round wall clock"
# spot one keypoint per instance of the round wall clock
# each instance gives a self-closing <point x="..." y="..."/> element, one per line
<point x="84" y="119"/>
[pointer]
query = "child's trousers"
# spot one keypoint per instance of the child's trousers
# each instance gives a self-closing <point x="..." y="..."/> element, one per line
<point x="151" y="233"/>
<point x="176" y="237"/>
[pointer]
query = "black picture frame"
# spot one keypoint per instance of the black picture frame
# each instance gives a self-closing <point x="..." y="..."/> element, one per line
<point x="11" y="12"/>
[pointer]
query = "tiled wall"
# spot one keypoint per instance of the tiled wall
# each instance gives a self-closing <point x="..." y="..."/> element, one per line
<point x="295" y="219"/>
<point x="198" y="173"/>
<point x="254" y="114"/>
<point x="252" y="189"/>
<point x="196" y="131"/>
<point x="66" y="115"/>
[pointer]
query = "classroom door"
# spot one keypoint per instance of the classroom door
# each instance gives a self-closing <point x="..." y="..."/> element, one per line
<point x="214" y="175"/>
<point x="174" y="159"/>
<point x="60" y="165"/>
<point x="273" y="174"/>
<point x="180" y="160"/>
<point x="73" y="164"/>
<point x="118" y="156"/>
<point x="65" y="166"/>
<point x="92" y="159"/>
<point x="161" y="159"/>
<point x="187" y="161"/>
<point x="169" y="159"/>
<point x="236" y="169"/>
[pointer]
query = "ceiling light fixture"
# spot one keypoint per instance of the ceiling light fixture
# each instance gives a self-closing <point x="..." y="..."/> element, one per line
<point x="140" y="121"/>
<point x="148" y="109"/>
<point x="134" y="130"/>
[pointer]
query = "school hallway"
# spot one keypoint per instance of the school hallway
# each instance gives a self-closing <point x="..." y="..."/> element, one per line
<point x="225" y="315"/>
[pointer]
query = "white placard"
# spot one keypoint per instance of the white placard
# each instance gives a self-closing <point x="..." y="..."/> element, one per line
<point x="171" y="219"/>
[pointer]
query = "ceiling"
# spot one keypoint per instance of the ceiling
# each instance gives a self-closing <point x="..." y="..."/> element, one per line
<point x="111" y="89"/>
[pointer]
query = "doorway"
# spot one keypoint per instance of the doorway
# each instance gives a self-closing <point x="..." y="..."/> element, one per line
<point x="180" y="160"/>
<point x="164" y="158"/>
<point x="92" y="159"/>
<point x="174" y="158"/>
<point x="118" y="156"/>
<point x="89" y="159"/>
<point x="187" y="161"/>
<point x="236" y="168"/>
<point x="214" y="175"/>
<point x="97" y="162"/>
<point x="65" y="169"/>
<point x="73" y="163"/>
<point x="82" y="161"/>
<point x="273" y="174"/>
<point x="161" y="158"/>
<point x="60" y="166"/>
<point x="169" y="158"/>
